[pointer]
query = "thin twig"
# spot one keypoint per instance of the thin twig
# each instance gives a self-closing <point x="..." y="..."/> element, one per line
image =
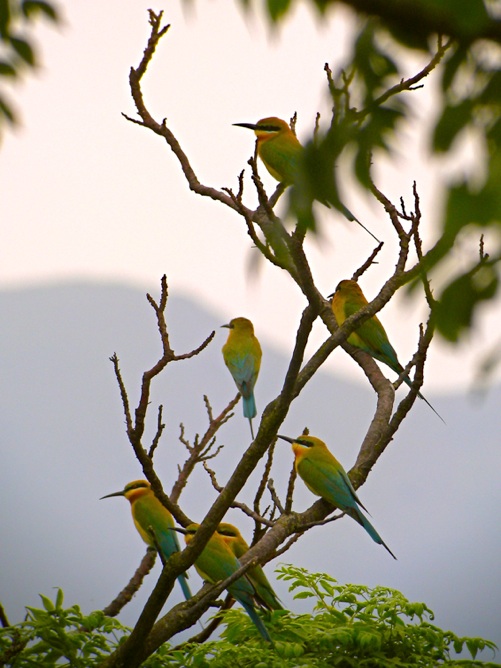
<point x="201" y="450"/>
<point x="158" y="433"/>
<point x="258" y="519"/>
<point x="408" y="84"/>
<point x="125" y="596"/>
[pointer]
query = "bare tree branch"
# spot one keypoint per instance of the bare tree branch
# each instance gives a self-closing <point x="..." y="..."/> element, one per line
<point x="199" y="452"/>
<point x="285" y="250"/>
<point x="125" y="596"/>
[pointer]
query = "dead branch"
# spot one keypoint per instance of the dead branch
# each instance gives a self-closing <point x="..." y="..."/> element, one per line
<point x="201" y="450"/>
<point x="125" y="596"/>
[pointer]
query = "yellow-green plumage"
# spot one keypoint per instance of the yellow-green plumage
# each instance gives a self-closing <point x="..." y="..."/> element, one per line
<point x="278" y="147"/>
<point x="281" y="152"/>
<point x="235" y="541"/>
<point x="242" y="355"/>
<point x="324" y="475"/>
<point x="217" y="562"/>
<point x="370" y="336"/>
<point x="153" y="522"/>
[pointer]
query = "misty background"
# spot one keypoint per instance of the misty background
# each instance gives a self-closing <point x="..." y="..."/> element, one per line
<point x="434" y="495"/>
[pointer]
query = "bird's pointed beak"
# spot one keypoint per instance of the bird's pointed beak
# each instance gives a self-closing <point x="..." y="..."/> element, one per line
<point x="286" y="438"/>
<point x="331" y="296"/>
<point x="114" y="494"/>
<point x="228" y="326"/>
<point x="251" y="126"/>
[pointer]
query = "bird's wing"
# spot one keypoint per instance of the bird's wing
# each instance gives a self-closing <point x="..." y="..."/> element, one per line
<point x="371" y="336"/>
<point x="377" y="343"/>
<point x="332" y="484"/>
<point x="264" y="591"/>
<point x="243" y="370"/>
<point x="351" y="305"/>
<point x="167" y="541"/>
<point x="216" y="562"/>
<point x="158" y="522"/>
<point x="281" y="158"/>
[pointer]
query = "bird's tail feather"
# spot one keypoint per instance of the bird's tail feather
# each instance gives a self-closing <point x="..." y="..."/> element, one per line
<point x="185" y="586"/>
<point x="256" y="619"/>
<point x="408" y="382"/>
<point x="267" y="598"/>
<point x="249" y="404"/>
<point x="359" y="517"/>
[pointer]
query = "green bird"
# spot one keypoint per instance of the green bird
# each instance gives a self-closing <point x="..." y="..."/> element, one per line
<point x="370" y="336"/>
<point x="235" y="541"/>
<point x="325" y="477"/>
<point x="281" y="152"/>
<point x="217" y="562"/>
<point x="153" y="522"/>
<point x="242" y="355"/>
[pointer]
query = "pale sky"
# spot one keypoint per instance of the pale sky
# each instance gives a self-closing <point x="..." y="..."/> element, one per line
<point x="86" y="194"/>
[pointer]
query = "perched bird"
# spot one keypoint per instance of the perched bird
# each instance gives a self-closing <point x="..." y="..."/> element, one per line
<point x="370" y="336"/>
<point x="153" y="522"/>
<point x="217" y="562"/>
<point x="325" y="477"/>
<point x="235" y="541"/>
<point x="242" y="355"/>
<point x="280" y="150"/>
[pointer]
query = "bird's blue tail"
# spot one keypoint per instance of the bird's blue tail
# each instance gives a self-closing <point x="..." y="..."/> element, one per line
<point x="256" y="620"/>
<point x="408" y="382"/>
<point x="185" y="586"/>
<point x="359" y="517"/>
<point x="249" y="404"/>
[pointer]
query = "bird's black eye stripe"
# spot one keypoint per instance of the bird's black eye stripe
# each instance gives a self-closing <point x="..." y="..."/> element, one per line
<point x="303" y="441"/>
<point x="137" y="485"/>
<point x="268" y="128"/>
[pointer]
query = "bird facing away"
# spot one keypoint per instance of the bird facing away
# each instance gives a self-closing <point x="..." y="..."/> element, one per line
<point x="153" y="522"/>
<point x="242" y="355"/>
<point x="235" y="541"/>
<point x="370" y="336"/>
<point x="325" y="477"/>
<point x="217" y="562"/>
<point x="280" y="150"/>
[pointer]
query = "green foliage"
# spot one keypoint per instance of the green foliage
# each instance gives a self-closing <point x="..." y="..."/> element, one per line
<point x="366" y="122"/>
<point x="53" y="635"/>
<point x="17" y="44"/>
<point x="351" y="625"/>
<point x="454" y="312"/>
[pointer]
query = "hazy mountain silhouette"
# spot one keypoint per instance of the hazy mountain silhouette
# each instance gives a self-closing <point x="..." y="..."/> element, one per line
<point x="434" y="496"/>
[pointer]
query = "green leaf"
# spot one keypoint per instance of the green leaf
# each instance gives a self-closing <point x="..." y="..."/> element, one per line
<point x="473" y="646"/>
<point x="59" y="598"/>
<point x="37" y="613"/>
<point x="408" y="36"/>
<point x="473" y="16"/>
<point x="456" y="307"/>
<point x="7" y="70"/>
<point x="304" y="594"/>
<point x="466" y="208"/>
<point x="468" y="18"/>
<point x="452" y="65"/>
<point x="491" y="93"/>
<point x="47" y="603"/>
<point x="453" y="120"/>
<point x="5" y="17"/>
<point x="32" y="8"/>
<point x="277" y="9"/>
<point x="23" y="49"/>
